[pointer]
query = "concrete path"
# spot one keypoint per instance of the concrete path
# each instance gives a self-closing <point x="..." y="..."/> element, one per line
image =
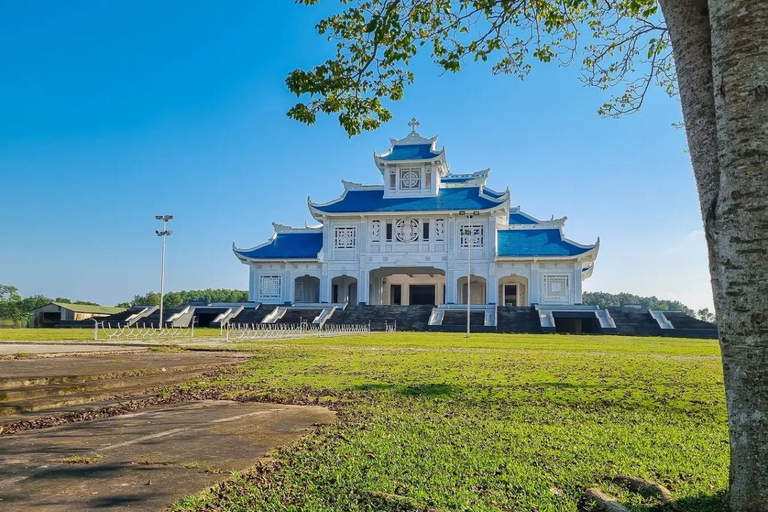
<point x="112" y="364"/>
<point x="9" y="349"/>
<point x="146" y="460"/>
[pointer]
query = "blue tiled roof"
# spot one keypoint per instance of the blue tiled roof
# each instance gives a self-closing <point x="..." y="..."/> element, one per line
<point x="451" y="199"/>
<point x="288" y="246"/>
<point x="536" y="242"/>
<point x="519" y="217"/>
<point x="411" y="152"/>
<point x="493" y="193"/>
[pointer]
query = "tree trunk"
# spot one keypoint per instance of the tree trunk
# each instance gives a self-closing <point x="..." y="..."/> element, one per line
<point x="721" y="54"/>
<point x="740" y="224"/>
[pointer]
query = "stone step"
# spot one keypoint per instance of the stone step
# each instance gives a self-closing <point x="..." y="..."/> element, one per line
<point x="297" y="316"/>
<point x="634" y="322"/>
<point x="250" y="316"/>
<point x="517" y="320"/>
<point x="460" y="318"/>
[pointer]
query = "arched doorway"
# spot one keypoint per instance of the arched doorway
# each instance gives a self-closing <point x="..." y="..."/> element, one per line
<point x="476" y="290"/>
<point x="513" y="290"/>
<point x="306" y="289"/>
<point x="407" y="286"/>
<point x="344" y="290"/>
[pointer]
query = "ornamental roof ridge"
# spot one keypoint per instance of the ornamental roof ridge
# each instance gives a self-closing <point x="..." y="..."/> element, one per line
<point x="352" y="185"/>
<point x="284" y="228"/>
<point x="477" y="178"/>
<point x="412" y="139"/>
<point x="540" y="224"/>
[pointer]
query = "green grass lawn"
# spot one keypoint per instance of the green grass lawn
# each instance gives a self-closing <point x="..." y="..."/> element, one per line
<point x="500" y="422"/>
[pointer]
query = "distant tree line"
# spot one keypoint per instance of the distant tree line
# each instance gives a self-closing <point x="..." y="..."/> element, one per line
<point x="15" y="310"/>
<point x="173" y="299"/>
<point x="605" y="299"/>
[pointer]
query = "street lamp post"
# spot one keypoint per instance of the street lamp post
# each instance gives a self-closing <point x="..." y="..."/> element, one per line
<point x="164" y="234"/>
<point x="468" y="232"/>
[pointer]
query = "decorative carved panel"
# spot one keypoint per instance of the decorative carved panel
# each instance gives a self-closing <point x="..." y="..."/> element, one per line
<point x="556" y="288"/>
<point x="407" y="230"/>
<point x="375" y="231"/>
<point x="345" y="238"/>
<point x="440" y="230"/>
<point x="472" y="235"/>
<point x="270" y="287"/>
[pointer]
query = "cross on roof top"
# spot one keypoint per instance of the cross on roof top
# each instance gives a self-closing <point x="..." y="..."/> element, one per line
<point x="413" y="123"/>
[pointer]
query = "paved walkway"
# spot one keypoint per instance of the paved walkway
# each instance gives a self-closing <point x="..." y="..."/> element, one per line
<point x="8" y="349"/>
<point x="146" y="460"/>
<point x="112" y="364"/>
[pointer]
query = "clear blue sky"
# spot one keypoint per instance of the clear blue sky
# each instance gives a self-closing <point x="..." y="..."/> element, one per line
<point x="112" y="112"/>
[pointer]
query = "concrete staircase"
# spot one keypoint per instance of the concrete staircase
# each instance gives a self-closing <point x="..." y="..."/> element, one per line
<point x="153" y="319"/>
<point x="686" y="326"/>
<point x="33" y="388"/>
<point x="297" y="316"/>
<point x="252" y="316"/>
<point x="634" y="322"/>
<point x="521" y="319"/>
<point x="456" y="318"/>
<point x="408" y="318"/>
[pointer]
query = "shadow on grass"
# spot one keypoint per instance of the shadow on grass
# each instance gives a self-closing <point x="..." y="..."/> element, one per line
<point x="417" y="390"/>
<point x="701" y="503"/>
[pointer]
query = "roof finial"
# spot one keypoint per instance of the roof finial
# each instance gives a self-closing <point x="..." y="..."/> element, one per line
<point x="413" y="123"/>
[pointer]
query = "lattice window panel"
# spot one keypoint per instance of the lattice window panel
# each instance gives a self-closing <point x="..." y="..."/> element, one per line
<point x="345" y="238"/>
<point x="440" y="230"/>
<point x="472" y="234"/>
<point x="375" y="231"/>
<point x="556" y="287"/>
<point x="270" y="287"/>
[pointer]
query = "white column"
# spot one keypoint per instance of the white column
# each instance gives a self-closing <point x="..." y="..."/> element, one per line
<point x="451" y="296"/>
<point x="291" y="286"/>
<point x="577" y="283"/>
<point x="325" y="286"/>
<point x="534" y="285"/>
<point x="492" y="289"/>
<point x="363" y="287"/>
<point x="252" y="292"/>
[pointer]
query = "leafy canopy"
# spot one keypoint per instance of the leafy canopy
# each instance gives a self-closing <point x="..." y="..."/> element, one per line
<point x="377" y="40"/>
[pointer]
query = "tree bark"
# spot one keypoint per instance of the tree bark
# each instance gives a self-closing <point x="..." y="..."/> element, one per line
<point x="740" y="220"/>
<point x="721" y="55"/>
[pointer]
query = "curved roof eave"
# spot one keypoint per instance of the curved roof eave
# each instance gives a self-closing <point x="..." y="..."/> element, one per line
<point x="379" y="159"/>
<point x="244" y="258"/>
<point x="321" y="213"/>
<point x="589" y="255"/>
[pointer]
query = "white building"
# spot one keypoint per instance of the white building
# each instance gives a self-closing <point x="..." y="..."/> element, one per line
<point x="412" y="238"/>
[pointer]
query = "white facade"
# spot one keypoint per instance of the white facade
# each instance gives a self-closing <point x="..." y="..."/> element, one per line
<point x="413" y="238"/>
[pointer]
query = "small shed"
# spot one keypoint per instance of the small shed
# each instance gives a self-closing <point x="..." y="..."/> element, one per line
<point x="56" y="313"/>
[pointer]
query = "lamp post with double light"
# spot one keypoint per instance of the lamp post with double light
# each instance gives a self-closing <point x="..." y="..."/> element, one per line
<point x="164" y="234"/>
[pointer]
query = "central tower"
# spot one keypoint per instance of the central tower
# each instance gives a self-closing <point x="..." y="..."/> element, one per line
<point x="413" y="166"/>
